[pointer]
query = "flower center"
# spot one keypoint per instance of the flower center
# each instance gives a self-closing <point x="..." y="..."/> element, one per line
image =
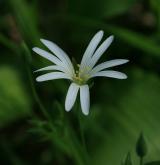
<point x="81" y="76"/>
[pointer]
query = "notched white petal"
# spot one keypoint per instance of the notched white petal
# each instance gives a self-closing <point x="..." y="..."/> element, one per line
<point x="85" y="99"/>
<point x="91" y="47"/>
<point x="108" y="64"/>
<point x="111" y="74"/>
<point x="52" y="76"/>
<point x="58" y="52"/>
<point x="71" y="96"/>
<point x="52" y="67"/>
<point x="47" y="55"/>
<point x="99" y="52"/>
<point x="55" y="49"/>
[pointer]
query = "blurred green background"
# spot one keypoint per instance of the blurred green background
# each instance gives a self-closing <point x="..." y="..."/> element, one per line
<point x="34" y="128"/>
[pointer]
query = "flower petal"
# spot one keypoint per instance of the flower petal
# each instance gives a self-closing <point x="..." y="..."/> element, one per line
<point x="91" y="47"/>
<point x="108" y="64"/>
<point x="53" y="59"/>
<point x="110" y="73"/>
<point x="47" y="55"/>
<point x="52" y="76"/>
<point x="71" y="96"/>
<point x="52" y="67"/>
<point x="58" y="52"/>
<point x="103" y="47"/>
<point x="85" y="99"/>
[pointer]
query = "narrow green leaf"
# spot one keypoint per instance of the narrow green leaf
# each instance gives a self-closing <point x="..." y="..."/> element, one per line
<point x="7" y="43"/>
<point x="25" y="18"/>
<point x="128" y="160"/>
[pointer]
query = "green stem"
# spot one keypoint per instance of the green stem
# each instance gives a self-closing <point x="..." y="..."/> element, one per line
<point x="35" y="95"/>
<point x="141" y="161"/>
<point x="80" y="119"/>
<point x="81" y="130"/>
<point x="27" y="55"/>
<point x="75" y="146"/>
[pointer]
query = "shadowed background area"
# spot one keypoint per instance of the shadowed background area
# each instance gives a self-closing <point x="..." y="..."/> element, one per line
<point x="34" y="127"/>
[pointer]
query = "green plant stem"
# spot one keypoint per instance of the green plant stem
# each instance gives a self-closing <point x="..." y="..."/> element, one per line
<point x="35" y="95"/>
<point x="81" y="131"/>
<point x="83" y="141"/>
<point x="141" y="161"/>
<point x="76" y="148"/>
<point x="27" y="56"/>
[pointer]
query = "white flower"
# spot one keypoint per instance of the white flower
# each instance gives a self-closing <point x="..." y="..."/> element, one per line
<point x="64" y="69"/>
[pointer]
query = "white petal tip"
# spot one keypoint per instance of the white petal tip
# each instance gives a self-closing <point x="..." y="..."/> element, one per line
<point x="86" y="113"/>
<point x="34" y="49"/>
<point x="43" y="40"/>
<point x="121" y="76"/>
<point x="124" y="61"/>
<point x="38" y="79"/>
<point x="37" y="71"/>
<point x="67" y="109"/>
<point x="101" y="32"/>
<point x="111" y="38"/>
<point x="124" y="77"/>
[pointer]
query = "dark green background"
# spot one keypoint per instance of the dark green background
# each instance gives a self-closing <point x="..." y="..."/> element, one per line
<point x="120" y="109"/>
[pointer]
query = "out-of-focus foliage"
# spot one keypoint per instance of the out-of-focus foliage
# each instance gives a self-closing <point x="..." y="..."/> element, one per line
<point x="153" y="163"/>
<point x="120" y="110"/>
<point x="101" y="9"/>
<point x="14" y="100"/>
<point x="26" y="13"/>
<point x="127" y="118"/>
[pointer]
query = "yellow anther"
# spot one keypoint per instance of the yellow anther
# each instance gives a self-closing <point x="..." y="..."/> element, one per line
<point x="81" y="75"/>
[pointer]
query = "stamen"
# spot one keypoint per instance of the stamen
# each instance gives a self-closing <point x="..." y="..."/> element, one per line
<point x="81" y="75"/>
